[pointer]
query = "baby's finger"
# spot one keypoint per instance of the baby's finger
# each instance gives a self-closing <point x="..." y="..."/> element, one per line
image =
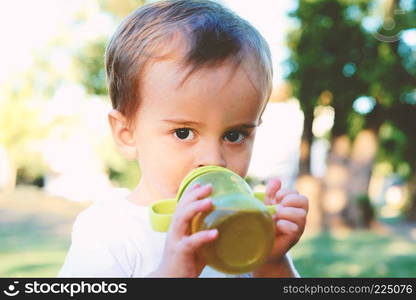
<point x="273" y="185"/>
<point x="195" y="193"/>
<point x="282" y="194"/>
<point x="183" y="217"/>
<point x="191" y="243"/>
<point x="194" y="186"/>
<point x="293" y="214"/>
<point x="288" y="228"/>
<point x="295" y="200"/>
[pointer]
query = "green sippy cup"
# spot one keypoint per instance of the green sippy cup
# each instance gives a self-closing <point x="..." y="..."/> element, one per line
<point x="244" y="222"/>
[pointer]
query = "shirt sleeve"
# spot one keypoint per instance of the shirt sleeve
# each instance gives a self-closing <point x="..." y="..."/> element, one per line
<point x="97" y="249"/>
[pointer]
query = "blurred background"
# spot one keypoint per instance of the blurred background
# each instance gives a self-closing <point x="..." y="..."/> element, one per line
<point x="340" y="127"/>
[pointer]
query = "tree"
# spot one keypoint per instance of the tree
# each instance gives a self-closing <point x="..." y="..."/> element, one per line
<point x="332" y="54"/>
<point x="92" y="76"/>
<point x="321" y="62"/>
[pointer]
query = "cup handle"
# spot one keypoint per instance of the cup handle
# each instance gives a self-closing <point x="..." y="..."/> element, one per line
<point x="272" y="209"/>
<point x="161" y="213"/>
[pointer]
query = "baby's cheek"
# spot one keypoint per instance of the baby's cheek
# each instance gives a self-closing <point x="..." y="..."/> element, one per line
<point x="240" y="165"/>
<point x="160" y="184"/>
<point x="169" y="185"/>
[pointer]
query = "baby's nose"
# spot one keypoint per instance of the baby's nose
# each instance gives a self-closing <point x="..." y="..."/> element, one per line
<point x="213" y="164"/>
<point x="212" y="155"/>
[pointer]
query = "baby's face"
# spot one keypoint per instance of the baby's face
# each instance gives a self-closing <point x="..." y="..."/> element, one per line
<point x="210" y="120"/>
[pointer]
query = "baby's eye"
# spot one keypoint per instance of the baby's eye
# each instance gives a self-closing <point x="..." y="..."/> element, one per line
<point x="235" y="137"/>
<point x="184" y="133"/>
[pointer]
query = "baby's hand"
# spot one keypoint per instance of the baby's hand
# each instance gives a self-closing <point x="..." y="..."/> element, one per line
<point x="290" y="218"/>
<point x="179" y="257"/>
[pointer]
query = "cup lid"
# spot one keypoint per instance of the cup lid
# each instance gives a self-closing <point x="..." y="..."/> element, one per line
<point x="195" y="173"/>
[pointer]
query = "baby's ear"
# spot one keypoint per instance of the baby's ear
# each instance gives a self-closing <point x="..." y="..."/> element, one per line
<point x="122" y="134"/>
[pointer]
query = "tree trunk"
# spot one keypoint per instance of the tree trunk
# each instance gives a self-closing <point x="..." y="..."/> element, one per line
<point x="306" y="143"/>
<point x="334" y="198"/>
<point x="359" y="213"/>
<point x="411" y="212"/>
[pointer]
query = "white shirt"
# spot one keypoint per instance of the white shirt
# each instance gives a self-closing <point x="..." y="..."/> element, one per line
<point x="113" y="238"/>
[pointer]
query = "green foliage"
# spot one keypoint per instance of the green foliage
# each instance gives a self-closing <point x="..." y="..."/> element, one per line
<point x="90" y="58"/>
<point x="332" y="51"/>
<point x="393" y="147"/>
<point x="128" y="175"/>
<point x="321" y="47"/>
<point x="356" y="122"/>
<point x="21" y="132"/>
<point x="90" y="63"/>
<point x="121" y="171"/>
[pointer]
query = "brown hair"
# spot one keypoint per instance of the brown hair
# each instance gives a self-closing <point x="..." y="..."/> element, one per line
<point x="213" y="33"/>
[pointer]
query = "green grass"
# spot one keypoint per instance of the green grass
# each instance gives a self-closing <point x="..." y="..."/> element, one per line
<point x="360" y="254"/>
<point x="35" y="232"/>
<point x="30" y="249"/>
<point x="26" y="252"/>
<point x="35" y="235"/>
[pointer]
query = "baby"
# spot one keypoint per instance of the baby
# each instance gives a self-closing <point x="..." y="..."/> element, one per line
<point x="189" y="81"/>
